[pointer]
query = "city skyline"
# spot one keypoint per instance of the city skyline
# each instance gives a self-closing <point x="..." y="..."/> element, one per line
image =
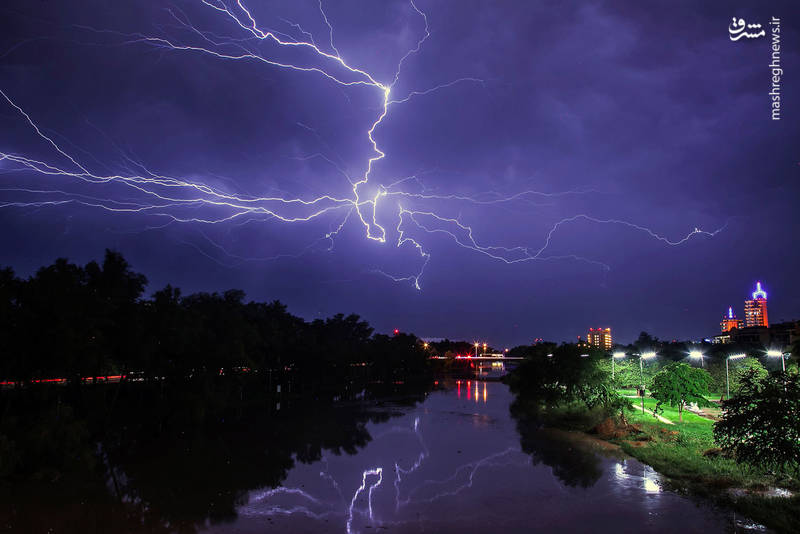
<point x="511" y="180"/>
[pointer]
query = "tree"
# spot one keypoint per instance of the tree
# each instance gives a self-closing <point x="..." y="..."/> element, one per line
<point x="9" y="315"/>
<point x="759" y="425"/>
<point x="645" y="341"/>
<point x="564" y="376"/>
<point x="401" y="354"/>
<point x="736" y="369"/>
<point x="679" y="384"/>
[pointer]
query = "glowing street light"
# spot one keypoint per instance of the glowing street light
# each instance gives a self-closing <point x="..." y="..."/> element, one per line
<point x="727" y="378"/>
<point x="696" y="354"/>
<point x="614" y="357"/>
<point x="476" y="348"/>
<point x="775" y="353"/>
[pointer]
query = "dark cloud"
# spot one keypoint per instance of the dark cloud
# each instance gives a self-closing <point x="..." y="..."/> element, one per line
<point x="646" y="111"/>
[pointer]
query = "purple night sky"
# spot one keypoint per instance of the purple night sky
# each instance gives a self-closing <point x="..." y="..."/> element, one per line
<point x="552" y="181"/>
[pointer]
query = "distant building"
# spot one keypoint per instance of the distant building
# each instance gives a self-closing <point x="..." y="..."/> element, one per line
<point x="778" y="336"/>
<point x="730" y="321"/>
<point x="722" y="338"/>
<point x="600" y="338"/>
<point x="755" y="310"/>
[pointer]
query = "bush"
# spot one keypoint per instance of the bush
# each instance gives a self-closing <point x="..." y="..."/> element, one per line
<point x="759" y="426"/>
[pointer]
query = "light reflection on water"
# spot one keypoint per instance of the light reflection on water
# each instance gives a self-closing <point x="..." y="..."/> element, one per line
<point x="473" y="385"/>
<point x="454" y="464"/>
<point x="631" y="472"/>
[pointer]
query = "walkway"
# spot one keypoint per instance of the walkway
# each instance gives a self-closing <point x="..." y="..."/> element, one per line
<point x="660" y="418"/>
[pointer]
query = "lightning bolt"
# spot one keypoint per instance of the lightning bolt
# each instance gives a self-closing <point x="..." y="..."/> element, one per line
<point x="361" y="503"/>
<point x="195" y="201"/>
<point x="352" y="510"/>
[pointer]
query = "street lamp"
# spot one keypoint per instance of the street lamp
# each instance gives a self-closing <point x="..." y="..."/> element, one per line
<point x="727" y="378"/>
<point x="484" y="349"/>
<point x="695" y="354"/>
<point x="614" y="357"/>
<point x="644" y="356"/>
<point x="476" y="349"/>
<point x="776" y="353"/>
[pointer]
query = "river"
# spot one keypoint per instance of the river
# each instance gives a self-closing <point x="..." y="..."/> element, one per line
<point x="454" y="464"/>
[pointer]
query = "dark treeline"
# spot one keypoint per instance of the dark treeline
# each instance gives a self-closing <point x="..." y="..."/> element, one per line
<point x="71" y="321"/>
<point x="218" y="396"/>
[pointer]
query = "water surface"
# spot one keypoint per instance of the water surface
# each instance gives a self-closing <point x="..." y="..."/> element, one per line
<point x="454" y="463"/>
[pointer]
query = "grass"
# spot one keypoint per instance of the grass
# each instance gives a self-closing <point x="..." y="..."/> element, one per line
<point x="669" y="412"/>
<point x="676" y="451"/>
<point x="685" y="453"/>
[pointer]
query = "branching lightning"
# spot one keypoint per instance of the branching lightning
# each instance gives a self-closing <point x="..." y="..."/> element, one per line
<point x="361" y="505"/>
<point x="193" y="201"/>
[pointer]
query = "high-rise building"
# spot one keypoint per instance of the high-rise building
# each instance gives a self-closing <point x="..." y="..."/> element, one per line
<point x="755" y="310"/>
<point x="600" y="337"/>
<point x="729" y="321"/>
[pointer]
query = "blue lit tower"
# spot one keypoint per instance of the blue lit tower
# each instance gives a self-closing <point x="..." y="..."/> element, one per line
<point x="755" y="310"/>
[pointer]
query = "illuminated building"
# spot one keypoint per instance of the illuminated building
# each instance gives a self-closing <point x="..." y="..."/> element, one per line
<point x="721" y="338"/>
<point x="755" y="310"/>
<point x="730" y="321"/>
<point x="600" y="337"/>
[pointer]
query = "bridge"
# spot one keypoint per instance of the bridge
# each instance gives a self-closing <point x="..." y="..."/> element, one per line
<point x="482" y="358"/>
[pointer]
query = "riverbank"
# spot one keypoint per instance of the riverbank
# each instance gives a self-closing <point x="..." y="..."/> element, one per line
<point x="685" y="453"/>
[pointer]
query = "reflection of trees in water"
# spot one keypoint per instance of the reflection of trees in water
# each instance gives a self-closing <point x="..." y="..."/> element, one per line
<point x="186" y="464"/>
<point x="563" y="387"/>
<point x="572" y="465"/>
<point x="192" y="423"/>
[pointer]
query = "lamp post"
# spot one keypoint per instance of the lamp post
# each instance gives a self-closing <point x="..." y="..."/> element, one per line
<point x="484" y="349"/>
<point x="642" y="356"/>
<point x="695" y="354"/>
<point x="727" y="377"/>
<point x="614" y="357"/>
<point x="476" y="349"/>
<point x="776" y="353"/>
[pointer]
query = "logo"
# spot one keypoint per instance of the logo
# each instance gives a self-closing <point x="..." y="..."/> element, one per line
<point x="737" y="28"/>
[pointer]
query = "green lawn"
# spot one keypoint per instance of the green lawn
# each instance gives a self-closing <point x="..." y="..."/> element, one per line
<point x="669" y="412"/>
<point x="677" y="452"/>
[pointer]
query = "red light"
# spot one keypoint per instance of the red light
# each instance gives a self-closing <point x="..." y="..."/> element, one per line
<point x="396" y="331"/>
